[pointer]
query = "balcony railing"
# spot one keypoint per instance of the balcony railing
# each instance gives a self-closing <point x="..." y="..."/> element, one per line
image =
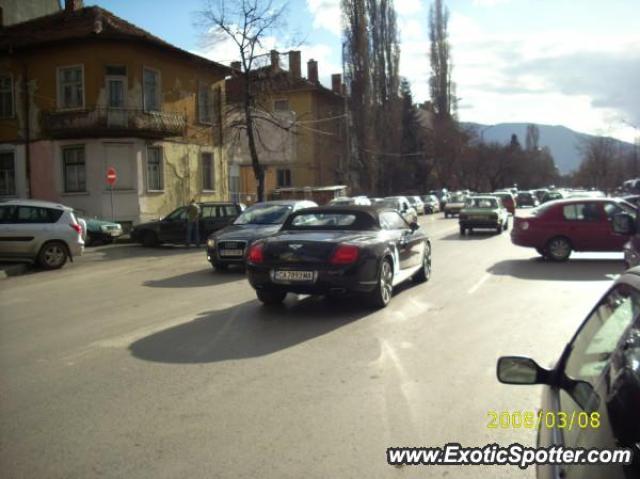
<point x="111" y="122"/>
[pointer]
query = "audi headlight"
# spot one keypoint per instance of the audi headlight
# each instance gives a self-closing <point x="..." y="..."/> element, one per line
<point x="104" y="228"/>
<point x="211" y="243"/>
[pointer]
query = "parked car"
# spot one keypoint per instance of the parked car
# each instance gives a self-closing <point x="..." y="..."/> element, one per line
<point x="402" y="205"/>
<point x="40" y="231"/>
<point x="454" y="204"/>
<point x="331" y="251"/>
<point x="228" y="246"/>
<point x="483" y="212"/>
<point x="417" y="204"/>
<point x="354" y="200"/>
<point x="539" y="194"/>
<point x="431" y="204"/>
<point x="100" y="231"/>
<point x="585" y="194"/>
<point x="508" y="200"/>
<point x="633" y="199"/>
<point x="556" y="229"/>
<point x="442" y="195"/>
<point x="553" y="195"/>
<point x="596" y="380"/>
<point x="527" y="199"/>
<point x="173" y="227"/>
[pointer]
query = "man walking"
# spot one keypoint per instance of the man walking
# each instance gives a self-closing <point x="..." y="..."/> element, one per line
<point x="193" y="224"/>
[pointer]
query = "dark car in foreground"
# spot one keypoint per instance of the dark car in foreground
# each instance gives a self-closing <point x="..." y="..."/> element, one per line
<point x="483" y="212"/>
<point x="334" y="251"/>
<point x="557" y="228"/>
<point x="228" y="246"/>
<point x="594" y="386"/>
<point x="173" y="227"/>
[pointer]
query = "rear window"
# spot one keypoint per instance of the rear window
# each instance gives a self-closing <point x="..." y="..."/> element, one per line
<point x="482" y="203"/>
<point x="329" y="220"/>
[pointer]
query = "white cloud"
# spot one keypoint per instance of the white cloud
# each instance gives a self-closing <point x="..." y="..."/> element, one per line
<point x="408" y="7"/>
<point x="580" y="79"/>
<point x="489" y="3"/>
<point x="327" y="15"/>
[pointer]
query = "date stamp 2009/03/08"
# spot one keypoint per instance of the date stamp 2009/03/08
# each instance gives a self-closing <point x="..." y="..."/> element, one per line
<point x="543" y="419"/>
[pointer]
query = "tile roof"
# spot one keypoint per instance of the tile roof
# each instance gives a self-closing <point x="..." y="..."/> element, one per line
<point x="85" y="23"/>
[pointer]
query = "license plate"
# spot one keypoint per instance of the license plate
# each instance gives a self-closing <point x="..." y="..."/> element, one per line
<point x="231" y="252"/>
<point x="114" y="233"/>
<point x="479" y="217"/>
<point x="302" y="276"/>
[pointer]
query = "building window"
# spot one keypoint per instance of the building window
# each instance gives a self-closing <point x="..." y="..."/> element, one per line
<point x="155" y="177"/>
<point x="6" y="96"/>
<point x="205" y="104"/>
<point x="151" y="90"/>
<point x="70" y="87"/>
<point x="284" y="178"/>
<point x="7" y="174"/>
<point x="75" y="179"/>
<point x="116" y="79"/>
<point x="208" y="172"/>
<point x="281" y="105"/>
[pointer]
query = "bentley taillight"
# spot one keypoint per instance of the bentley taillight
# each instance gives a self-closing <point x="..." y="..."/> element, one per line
<point x="256" y="253"/>
<point x="345" y="254"/>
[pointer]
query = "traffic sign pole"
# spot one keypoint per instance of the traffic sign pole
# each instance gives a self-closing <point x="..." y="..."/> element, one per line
<point x="112" y="176"/>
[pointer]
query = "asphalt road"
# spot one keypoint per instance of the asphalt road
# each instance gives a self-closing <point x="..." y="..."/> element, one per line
<point x="144" y="363"/>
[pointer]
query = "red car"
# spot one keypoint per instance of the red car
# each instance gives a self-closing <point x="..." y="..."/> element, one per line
<point x="557" y="228"/>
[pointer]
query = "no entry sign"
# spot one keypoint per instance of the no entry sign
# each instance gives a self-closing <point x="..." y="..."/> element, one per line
<point x="111" y="176"/>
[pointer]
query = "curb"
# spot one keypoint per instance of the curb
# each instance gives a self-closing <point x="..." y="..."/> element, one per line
<point x="13" y="270"/>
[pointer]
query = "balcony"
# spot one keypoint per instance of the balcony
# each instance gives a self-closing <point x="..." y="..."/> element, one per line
<point x="112" y="122"/>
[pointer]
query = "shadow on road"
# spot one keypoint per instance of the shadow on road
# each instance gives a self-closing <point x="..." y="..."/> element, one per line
<point x="572" y="270"/>
<point x="132" y="250"/>
<point x="203" y="277"/>
<point x="475" y="236"/>
<point x="246" y="331"/>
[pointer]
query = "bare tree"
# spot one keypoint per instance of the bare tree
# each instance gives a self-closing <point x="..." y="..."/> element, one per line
<point x="532" y="140"/>
<point x="246" y="23"/>
<point x="357" y="75"/>
<point x="440" y="81"/>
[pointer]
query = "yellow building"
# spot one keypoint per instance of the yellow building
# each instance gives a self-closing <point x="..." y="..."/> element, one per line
<point x="300" y="128"/>
<point x="82" y="91"/>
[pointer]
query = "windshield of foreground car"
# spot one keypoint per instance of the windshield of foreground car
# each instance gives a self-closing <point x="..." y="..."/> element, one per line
<point x="331" y="221"/>
<point x="264" y="215"/>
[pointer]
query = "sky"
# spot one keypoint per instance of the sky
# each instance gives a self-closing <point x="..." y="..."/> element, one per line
<point x="574" y="63"/>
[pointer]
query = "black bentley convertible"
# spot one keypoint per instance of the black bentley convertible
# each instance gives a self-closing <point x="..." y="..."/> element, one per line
<point x="337" y="250"/>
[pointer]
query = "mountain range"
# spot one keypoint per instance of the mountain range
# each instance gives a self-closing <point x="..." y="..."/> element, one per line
<point x="563" y="142"/>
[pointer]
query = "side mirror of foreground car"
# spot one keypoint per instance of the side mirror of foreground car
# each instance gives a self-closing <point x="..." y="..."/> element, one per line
<point x="414" y="226"/>
<point x="520" y="370"/>
<point x="624" y="224"/>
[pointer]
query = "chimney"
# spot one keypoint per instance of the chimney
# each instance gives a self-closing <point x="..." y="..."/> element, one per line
<point x="336" y="83"/>
<point x="312" y="71"/>
<point x="72" y="5"/>
<point x="294" y="64"/>
<point x="236" y="66"/>
<point x="275" y="60"/>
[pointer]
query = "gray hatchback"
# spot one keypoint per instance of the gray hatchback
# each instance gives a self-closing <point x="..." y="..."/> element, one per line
<point x="40" y="231"/>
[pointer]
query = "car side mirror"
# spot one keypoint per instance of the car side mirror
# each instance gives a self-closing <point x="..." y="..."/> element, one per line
<point x="404" y="208"/>
<point x="624" y="224"/>
<point x="520" y="370"/>
<point x="414" y="226"/>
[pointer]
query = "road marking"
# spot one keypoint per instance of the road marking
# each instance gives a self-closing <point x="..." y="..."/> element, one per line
<point x="476" y="286"/>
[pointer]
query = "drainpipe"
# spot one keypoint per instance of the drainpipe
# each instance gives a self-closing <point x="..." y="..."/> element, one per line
<point x="27" y="126"/>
